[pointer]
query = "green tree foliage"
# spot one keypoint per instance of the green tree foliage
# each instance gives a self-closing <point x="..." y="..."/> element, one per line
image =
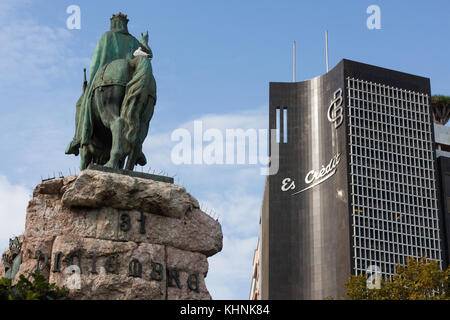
<point x="441" y="108"/>
<point x="37" y="289"/>
<point x="440" y="100"/>
<point x="418" y="280"/>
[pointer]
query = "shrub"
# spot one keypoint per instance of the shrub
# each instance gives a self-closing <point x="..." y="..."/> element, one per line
<point x="37" y="289"/>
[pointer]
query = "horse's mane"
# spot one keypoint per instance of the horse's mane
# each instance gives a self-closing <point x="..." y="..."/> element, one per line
<point x="136" y="98"/>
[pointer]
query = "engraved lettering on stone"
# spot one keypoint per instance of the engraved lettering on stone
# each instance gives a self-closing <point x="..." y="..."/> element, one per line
<point x="157" y="271"/>
<point x="173" y="274"/>
<point x="75" y="254"/>
<point x="94" y="265"/>
<point x="57" y="258"/>
<point x="39" y="256"/>
<point x="135" y="268"/>
<point x="125" y="223"/>
<point x="193" y="282"/>
<point x="112" y="264"/>
<point x="142" y="223"/>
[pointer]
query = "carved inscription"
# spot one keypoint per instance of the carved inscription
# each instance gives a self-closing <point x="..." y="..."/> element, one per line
<point x="112" y="265"/>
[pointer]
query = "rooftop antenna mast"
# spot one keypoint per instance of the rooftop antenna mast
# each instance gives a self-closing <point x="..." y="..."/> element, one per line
<point x="293" y="71"/>
<point x="326" y="45"/>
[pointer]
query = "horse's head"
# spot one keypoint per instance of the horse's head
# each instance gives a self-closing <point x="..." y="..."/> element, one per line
<point x="141" y="52"/>
<point x="144" y="45"/>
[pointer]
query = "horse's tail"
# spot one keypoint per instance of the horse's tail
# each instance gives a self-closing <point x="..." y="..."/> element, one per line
<point x="139" y="88"/>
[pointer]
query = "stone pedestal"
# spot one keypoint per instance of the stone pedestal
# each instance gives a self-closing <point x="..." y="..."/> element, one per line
<point x="111" y="236"/>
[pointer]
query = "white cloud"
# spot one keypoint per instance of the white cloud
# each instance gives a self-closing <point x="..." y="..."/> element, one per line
<point x="238" y="208"/>
<point x="33" y="55"/>
<point x="8" y="8"/>
<point x="244" y="119"/>
<point x="233" y="192"/>
<point x="13" y="205"/>
<point x="230" y="272"/>
<point x="157" y="147"/>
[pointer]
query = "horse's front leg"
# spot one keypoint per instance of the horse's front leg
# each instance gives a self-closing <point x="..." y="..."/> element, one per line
<point x="133" y="157"/>
<point x="136" y="156"/>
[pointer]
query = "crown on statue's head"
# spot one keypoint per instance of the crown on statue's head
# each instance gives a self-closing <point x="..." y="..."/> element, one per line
<point x="120" y="16"/>
<point x="119" y="22"/>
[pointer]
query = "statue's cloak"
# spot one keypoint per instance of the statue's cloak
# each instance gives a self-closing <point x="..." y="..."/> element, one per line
<point x="111" y="46"/>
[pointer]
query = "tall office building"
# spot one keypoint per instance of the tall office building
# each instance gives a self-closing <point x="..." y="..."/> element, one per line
<point x="357" y="189"/>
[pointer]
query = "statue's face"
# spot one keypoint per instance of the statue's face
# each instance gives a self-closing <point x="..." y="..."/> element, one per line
<point x="118" y="25"/>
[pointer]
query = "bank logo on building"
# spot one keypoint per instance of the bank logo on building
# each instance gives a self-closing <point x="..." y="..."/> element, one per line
<point x="315" y="177"/>
<point x="335" y="110"/>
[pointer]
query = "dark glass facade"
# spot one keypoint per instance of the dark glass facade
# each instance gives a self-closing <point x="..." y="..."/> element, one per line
<point x="357" y="189"/>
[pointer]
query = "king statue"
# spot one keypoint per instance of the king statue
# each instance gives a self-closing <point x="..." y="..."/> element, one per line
<point x="114" y="111"/>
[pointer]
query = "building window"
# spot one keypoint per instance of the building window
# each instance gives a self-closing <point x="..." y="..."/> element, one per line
<point x="393" y="197"/>
<point x="281" y="123"/>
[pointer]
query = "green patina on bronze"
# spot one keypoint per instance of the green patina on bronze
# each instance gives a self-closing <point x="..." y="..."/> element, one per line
<point x="13" y="259"/>
<point x="114" y="111"/>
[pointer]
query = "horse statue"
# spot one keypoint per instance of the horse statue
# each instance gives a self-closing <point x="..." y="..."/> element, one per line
<point x="115" y="109"/>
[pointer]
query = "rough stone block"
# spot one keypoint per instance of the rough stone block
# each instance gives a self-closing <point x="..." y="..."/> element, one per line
<point x="111" y="236"/>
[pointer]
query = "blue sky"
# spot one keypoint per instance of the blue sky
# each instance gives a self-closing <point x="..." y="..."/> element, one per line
<point x="213" y="60"/>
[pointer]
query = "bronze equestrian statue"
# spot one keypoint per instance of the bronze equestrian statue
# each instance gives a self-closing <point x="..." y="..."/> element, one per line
<point x="114" y="111"/>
